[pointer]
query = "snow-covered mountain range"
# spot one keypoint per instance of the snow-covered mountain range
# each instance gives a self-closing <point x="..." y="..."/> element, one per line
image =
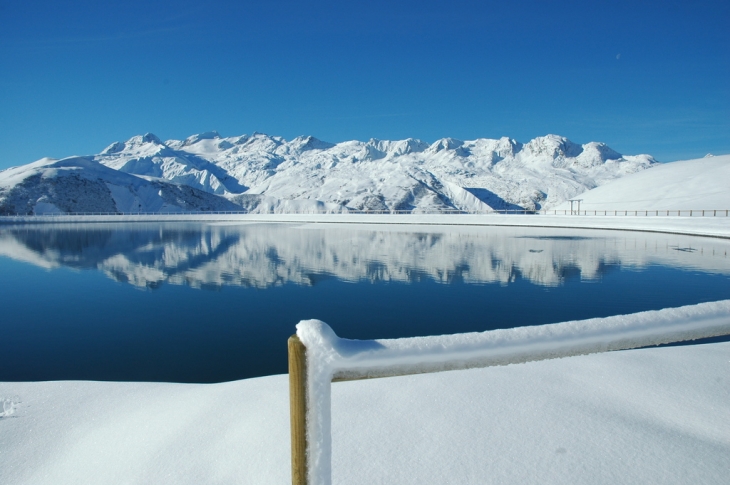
<point x="262" y="173"/>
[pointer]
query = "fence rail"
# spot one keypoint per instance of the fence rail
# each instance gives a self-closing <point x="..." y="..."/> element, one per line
<point x="317" y="358"/>
<point x="615" y="213"/>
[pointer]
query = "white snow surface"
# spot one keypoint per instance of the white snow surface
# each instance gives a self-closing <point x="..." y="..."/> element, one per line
<point x="658" y="415"/>
<point x="262" y="173"/>
<point x="690" y="184"/>
<point x="329" y="356"/>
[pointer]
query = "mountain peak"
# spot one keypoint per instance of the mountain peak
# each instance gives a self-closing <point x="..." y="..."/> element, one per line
<point x="398" y="147"/>
<point x="142" y="139"/>
<point x="444" y="144"/>
<point x="554" y="146"/>
<point x="151" y="138"/>
<point x="603" y="151"/>
<point x="302" y="143"/>
<point x="115" y="147"/>
<point x="133" y="143"/>
<point x="208" y="135"/>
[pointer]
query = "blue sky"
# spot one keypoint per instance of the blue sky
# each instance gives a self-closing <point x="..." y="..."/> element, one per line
<point x="643" y="77"/>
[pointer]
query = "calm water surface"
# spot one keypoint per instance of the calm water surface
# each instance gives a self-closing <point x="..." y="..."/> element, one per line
<point x="210" y="303"/>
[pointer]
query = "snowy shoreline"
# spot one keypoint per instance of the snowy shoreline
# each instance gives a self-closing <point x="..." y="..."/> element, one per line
<point x="709" y="226"/>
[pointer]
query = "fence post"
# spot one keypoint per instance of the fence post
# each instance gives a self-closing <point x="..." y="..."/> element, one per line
<point x="298" y="410"/>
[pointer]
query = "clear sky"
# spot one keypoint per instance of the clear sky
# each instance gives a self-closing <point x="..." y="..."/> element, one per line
<point x="643" y="77"/>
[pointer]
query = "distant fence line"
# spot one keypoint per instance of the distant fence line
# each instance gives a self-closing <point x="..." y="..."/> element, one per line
<point x="633" y="213"/>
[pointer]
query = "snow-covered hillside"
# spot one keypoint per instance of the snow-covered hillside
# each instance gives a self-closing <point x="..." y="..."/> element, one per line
<point x="261" y="173"/>
<point x="690" y="184"/>
<point x="79" y="184"/>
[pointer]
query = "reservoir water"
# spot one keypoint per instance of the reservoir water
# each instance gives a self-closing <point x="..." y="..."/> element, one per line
<point x="217" y="302"/>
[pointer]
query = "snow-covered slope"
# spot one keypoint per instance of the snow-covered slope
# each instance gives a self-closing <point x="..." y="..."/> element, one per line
<point x="147" y="155"/>
<point x="377" y="175"/>
<point x="691" y="184"/>
<point x="79" y="184"/>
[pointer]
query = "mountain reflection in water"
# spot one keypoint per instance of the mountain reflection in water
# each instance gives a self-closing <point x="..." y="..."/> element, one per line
<point x="266" y="255"/>
<point x="366" y="281"/>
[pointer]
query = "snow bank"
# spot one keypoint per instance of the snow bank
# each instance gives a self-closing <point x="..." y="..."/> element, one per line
<point x="144" y="433"/>
<point x="330" y="357"/>
<point x="632" y="417"/>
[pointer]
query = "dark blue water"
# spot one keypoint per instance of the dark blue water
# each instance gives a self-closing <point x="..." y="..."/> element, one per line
<point x="197" y="303"/>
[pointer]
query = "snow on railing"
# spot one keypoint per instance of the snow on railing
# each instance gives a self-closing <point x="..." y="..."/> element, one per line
<point x="318" y="357"/>
<point x="634" y="213"/>
<point x="645" y="213"/>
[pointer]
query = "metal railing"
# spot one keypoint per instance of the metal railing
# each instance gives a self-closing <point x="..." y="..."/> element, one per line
<point x="616" y="213"/>
<point x="305" y="212"/>
<point x="644" y="213"/>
